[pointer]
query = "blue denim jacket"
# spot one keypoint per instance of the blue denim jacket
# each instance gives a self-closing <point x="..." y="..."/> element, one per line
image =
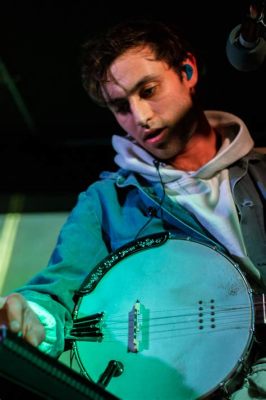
<point x="120" y="206"/>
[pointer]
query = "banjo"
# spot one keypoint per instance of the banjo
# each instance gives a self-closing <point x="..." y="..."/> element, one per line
<point x="164" y="318"/>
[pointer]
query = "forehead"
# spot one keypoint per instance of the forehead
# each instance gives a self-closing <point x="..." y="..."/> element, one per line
<point x="130" y="69"/>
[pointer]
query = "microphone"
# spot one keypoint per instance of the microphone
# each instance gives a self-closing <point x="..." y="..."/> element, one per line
<point x="156" y="163"/>
<point x="246" y="45"/>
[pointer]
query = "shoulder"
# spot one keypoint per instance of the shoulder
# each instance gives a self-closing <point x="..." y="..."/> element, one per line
<point x="255" y="157"/>
<point x="260" y="150"/>
<point x="109" y="182"/>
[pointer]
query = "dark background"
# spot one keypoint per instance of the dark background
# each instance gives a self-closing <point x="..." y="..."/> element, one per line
<point x="52" y="138"/>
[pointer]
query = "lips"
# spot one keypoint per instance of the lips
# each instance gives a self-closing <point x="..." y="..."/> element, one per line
<point x="153" y="136"/>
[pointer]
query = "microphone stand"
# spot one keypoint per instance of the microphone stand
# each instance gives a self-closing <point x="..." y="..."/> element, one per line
<point x="246" y="44"/>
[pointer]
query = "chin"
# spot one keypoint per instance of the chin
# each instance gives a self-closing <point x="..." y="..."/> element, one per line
<point x="168" y="156"/>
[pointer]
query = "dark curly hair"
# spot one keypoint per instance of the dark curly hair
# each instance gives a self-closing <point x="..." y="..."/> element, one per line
<point x="99" y="52"/>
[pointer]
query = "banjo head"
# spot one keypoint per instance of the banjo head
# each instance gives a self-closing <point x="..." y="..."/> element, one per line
<point x="176" y="314"/>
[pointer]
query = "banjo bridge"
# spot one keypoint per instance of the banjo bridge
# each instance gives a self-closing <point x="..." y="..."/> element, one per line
<point x="138" y="328"/>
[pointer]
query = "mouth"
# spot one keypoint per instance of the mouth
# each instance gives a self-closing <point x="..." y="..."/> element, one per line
<point x="154" y="136"/>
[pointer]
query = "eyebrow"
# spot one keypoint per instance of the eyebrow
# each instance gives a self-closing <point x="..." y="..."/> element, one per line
<point x="116" y="100"/>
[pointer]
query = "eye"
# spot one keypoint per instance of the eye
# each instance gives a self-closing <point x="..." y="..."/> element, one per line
<point x="148" y="91"/>
<point x="121" y="107"/>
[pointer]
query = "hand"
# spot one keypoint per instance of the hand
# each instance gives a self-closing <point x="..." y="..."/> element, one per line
<point x="18" y="316"/>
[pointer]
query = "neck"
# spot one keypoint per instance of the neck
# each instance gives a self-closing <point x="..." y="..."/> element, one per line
<point x="201" y="148"/>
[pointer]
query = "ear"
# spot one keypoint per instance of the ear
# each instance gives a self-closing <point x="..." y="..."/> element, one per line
<point x="189" y="71"/>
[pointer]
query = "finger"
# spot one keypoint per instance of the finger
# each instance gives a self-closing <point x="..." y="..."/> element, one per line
<point x="20" y="318"/>
<point x="14" y="307"/>
<point x="32" y="330"/>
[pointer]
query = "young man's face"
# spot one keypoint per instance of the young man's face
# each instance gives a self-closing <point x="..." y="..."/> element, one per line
<point x="151" y="102"/>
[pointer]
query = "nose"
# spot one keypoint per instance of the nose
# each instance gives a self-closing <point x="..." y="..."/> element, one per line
<point x="142" y="112"/>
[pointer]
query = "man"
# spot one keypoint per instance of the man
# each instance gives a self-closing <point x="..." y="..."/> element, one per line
<point x="182" y="170"/>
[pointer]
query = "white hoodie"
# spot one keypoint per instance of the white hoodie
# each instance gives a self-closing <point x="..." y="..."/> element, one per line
<point x="206" y="192"/>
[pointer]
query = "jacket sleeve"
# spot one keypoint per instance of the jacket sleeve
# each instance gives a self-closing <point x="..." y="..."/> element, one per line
<point x="80" y="246"/>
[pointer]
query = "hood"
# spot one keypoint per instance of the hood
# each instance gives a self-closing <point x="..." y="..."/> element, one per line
<point x="237" y="142"/>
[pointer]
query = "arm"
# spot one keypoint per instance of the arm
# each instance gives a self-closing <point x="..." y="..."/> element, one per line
<point x="79" y="247"/>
